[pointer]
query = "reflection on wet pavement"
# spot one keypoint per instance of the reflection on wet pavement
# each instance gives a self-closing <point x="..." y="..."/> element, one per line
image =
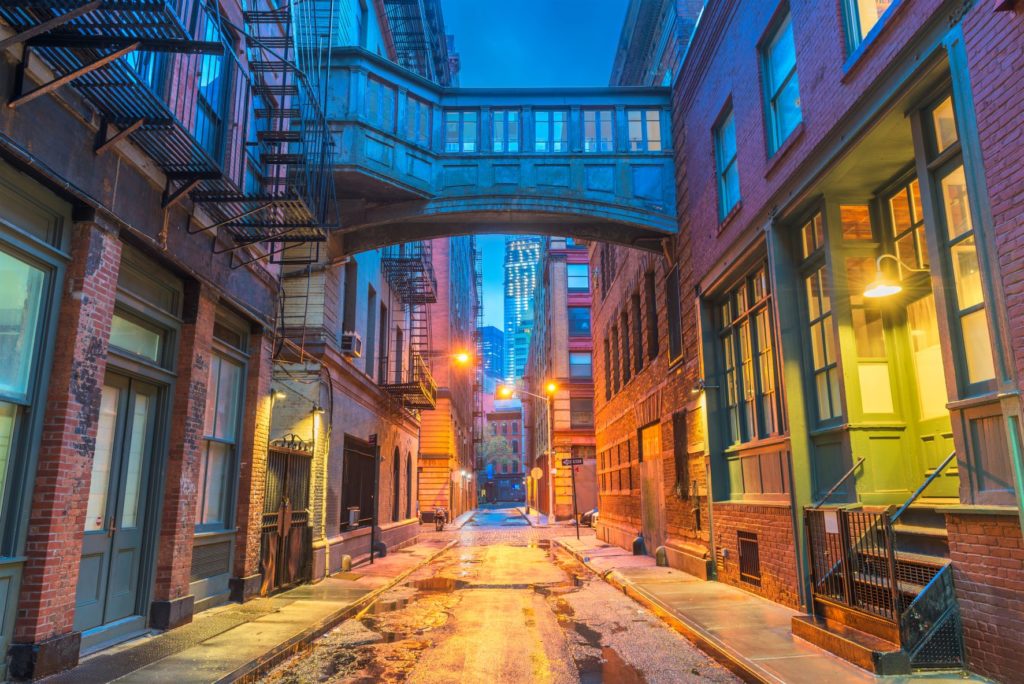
<point x="501" y="608"/>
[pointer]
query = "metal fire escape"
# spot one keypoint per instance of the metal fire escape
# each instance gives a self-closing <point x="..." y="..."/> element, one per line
<point x="417" y="28"/>
<point x="166" y="75"/>
<point x="409" y="270"/>
<point x="478" y="347"/>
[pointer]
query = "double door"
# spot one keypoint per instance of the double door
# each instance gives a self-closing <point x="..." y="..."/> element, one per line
<point x="110" y="577"/>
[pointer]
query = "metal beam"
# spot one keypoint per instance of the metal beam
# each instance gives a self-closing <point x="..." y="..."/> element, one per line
<point x="170" y="199"/>
<point x="117" y="137"/>
<point x="147" y="44"/>
<point x="69" y="77"/>
<point x="49" y="24"/>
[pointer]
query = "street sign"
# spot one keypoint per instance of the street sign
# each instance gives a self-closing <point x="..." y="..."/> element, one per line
<point x="536" y="473"/>
<point x="572" y="461"/>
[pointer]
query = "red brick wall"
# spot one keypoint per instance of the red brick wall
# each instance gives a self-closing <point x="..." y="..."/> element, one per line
<point x="46" y="606"/>
<point x="177" y="525"/>
<point x="773" y="526"/>
<point x="988" y="572"/>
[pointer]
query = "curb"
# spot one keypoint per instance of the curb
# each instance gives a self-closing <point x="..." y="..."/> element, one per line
<point x="522" y="512"/>
<point x="717" y="649"/>
<point x="259" y="666"/>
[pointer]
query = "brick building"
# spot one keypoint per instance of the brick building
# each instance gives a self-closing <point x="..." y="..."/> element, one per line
<point x="561" y="352"/>
<point x="836" y="328"/>
<point x="501" y="465"/>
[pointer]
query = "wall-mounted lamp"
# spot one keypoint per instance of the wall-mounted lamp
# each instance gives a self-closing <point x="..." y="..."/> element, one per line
<point x="700" y="386"/>
<point x="277" y="395"/>
<point x="885" y="286"/>
<point x="318" y="410"/>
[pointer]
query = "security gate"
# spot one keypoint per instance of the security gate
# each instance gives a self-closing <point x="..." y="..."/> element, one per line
<point x="286" y="544"/>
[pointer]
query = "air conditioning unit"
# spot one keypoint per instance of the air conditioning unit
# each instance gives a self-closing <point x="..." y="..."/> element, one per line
<point x="351" y="345"/>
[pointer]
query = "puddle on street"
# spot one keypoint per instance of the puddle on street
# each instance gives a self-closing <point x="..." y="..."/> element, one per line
<point x="442" y="584"/>
<point x="610" y="668"/>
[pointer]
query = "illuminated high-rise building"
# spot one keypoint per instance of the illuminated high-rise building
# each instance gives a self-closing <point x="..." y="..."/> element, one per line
<point x="522" y="253"/>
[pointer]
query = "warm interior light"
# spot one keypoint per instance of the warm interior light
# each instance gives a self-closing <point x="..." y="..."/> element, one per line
<point x="279" y="395"/>
<point x="882" y="287"/>
<point x="551" y="388"/>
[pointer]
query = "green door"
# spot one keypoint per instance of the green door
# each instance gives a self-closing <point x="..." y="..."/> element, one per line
<point x="934" y="433"/>
<point x="109" y="576"/>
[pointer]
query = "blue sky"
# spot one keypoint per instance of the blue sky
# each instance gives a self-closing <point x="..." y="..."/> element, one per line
<point x="530" y="43"/>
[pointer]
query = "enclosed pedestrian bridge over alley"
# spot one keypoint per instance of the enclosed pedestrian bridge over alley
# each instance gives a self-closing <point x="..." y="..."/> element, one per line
<point x="413" y="160"/>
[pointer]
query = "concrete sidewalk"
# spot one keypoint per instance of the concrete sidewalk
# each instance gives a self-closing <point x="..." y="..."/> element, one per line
<point x="533" y="516"/>
<point x="239" y="642"/>
<point x="747" y="633"/>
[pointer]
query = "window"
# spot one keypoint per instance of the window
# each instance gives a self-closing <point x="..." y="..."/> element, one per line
<point x="615" y="359"/>
<point x="627" y="356"/>
<point x="211" y="102"/>
<point x="673" y="310"/>
<point x="862" y="16"/>
<point x="380" y="103"/>
<point x="506" y="130"/>
<point x="515" y="446"/>
<point x="220" y="437"/>
<point x="579" y="321"/>
<point x="348" y="317"/>
<point x="515" y="427"/>
<point x="578" y="276"/>
<point x="417" y="121"/>
<point x="748" y="360"/>
<point x="607" y="370"/>
<point x="782" y="89"/>
<point x="651" y="295"/>
<point x="644" y="130"/>
<point x="580" y="365"/>
<point x="638" y="333"/>
<point x="460" y="131"/>
<point x="581" y="412"/>
<point x="817" y="292"/>
<point x="357" y="482"/>
<point x="551" y="131"/>
<point x="371" y="330"/>
<point x="597" y="130"/>
<point x="726" y="169"/>
<point x="132" y="335"/>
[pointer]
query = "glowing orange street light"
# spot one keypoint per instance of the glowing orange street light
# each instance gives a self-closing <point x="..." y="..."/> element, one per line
<point x="462" y="358"/>
<point x="551" y="388"/>
<point x="505" y="391"/>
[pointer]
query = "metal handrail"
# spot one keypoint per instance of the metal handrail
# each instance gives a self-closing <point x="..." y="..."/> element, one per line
<point x="839" y="482"/>
<point x="924" y="485"/>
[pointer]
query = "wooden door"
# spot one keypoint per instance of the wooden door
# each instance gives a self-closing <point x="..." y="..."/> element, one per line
<point x="287" y="539"/>
<point x="652" y="489"/>
<point x="110" y="571"/>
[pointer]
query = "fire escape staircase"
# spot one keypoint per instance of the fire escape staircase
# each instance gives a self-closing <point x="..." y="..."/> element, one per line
<point x="409" y="271"/>
<point x="166" y="75"/>
<point x="882" y="584"/>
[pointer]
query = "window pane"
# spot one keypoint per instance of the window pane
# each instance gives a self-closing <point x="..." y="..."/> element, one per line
<point x="228" y="390"/>
<point x="821" y="381"/>
<point x="956" y="203"/>
<point x="945" y="124"/>
<point x="469" y="132"/>
<point x="867" y="328"/>
<point x="636" y="132"/>
<point x="977" y="347"/>
<point x="926" y="347"/>
<point x="217" y="469"/>
<point x="579" y="320"/>
<point x="868" y="13"/>
<point x="727" y="138"/>
<point x="966" y="273"/>
<point x="20" y="306"/>
<point x="781" y="56"/>
<point x="653" y="131"/>
<point x="875" y="388"/>
<point x="8" y="413"/>
<point x="451" y="131"/>
<point x="136" y="456"/>
<point x="134" y="338"/>
<point x="787" y="109"/>
<point x="580" y="365"/>
<point x="99" y="482"/>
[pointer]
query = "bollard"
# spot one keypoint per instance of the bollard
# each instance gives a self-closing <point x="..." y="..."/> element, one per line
<point x="661" y="557"/>
<point x="346" y="563"/>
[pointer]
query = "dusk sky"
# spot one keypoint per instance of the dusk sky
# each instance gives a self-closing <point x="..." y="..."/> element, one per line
<point x="506" y="45"/>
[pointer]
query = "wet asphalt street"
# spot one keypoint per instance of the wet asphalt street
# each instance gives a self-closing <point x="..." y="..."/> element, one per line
<point x="504" y="605"/>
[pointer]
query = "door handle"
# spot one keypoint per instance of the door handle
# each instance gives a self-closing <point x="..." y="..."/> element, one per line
<point x="112" y="527"/>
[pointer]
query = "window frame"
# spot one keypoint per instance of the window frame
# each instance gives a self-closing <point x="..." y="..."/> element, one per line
<point x="674" y="312"/>
<point x="506" y="127"/>
<point x="601" y="115"/>
<point x="856" y="37"/>
<point x="643" y="143"/>
<point x="590" y="366"/>
<point x="723" y="165"/>
<point x="418" y="128"/>
<point x="775" y="137"/>
<point x="569" y="278"/>
<point x="548" y="141"/>
<point x="462" y="121"/>
<point x="575" y="411"/>
<point x="575" y="331"/>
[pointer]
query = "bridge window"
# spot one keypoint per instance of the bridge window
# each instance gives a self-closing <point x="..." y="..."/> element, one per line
<point x="551" y="131"/>
<point x="417" y="121"/>
<point x="578" y="276"/>
<point x="597" y="130"/>
<point x="380" y="103"/>
<point x="460" y="131"/>
<point x="506" y="130"/>
<point x="782" y="88"/>
<point x="644" y="130"/>
<point x="580" y="365"/>
<point x="725" y="165"/>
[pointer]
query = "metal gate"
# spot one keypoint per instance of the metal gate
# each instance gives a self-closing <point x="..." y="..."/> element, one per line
<point x="286" y="540"/>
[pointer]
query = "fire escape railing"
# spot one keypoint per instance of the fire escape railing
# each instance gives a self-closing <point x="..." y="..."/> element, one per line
<point x="166" y="74"/>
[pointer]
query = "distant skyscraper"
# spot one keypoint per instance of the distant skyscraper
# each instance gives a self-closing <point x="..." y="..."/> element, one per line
<point x="521" y="256"/>
<point x="492" y="348"/>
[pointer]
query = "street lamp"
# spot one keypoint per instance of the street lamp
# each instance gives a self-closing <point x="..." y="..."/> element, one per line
<point x="507" y="391"/>
<point x="462" y="358"/>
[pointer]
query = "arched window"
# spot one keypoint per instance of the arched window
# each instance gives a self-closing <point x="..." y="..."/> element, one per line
<point x="408" y="485"/>
<point x="396" y="485"/>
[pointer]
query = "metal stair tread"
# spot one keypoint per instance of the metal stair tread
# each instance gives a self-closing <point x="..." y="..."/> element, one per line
<point x="851" y="634"/>
<point x="923" y="530"/>
<point x="882" y="582"/>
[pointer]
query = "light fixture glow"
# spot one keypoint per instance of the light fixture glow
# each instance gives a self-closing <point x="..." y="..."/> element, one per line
<point x="278" y="395"/>
<point x="505" y="391"/>
<point x="882" y="287"/>
<point x="551" y="388"/>
<point x="886" y="286"/>
<point x="318" y="410"/>
<point x="462" y="358"/>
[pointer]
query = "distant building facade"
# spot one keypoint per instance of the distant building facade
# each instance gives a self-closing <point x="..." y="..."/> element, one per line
<point x="492" y="349"/>
<point x="522" y="252"/>
<point x="502" y="464"/>
<point x="561" y="352"/>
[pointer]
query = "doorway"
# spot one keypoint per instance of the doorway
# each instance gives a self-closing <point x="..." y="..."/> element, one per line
<point x="286" y="543"/>
<point x="652" y="490"/>
<point x="111" y="584"/>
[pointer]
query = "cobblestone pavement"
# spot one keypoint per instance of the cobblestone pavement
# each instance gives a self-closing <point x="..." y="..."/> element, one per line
<point x="502" y="606"/>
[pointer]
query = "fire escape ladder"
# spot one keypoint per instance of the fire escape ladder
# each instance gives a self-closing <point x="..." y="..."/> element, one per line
<point x="478" y="347"/>
<point x="409" y="271"/>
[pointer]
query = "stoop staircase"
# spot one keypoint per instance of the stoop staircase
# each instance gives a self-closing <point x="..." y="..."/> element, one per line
<point x="882" y="585"/>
